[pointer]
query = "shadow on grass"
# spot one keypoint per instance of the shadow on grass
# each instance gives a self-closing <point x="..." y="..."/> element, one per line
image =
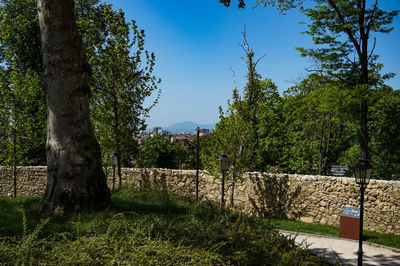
<point x="147" y="202"/>
<point x="126" y="200"/>
<point x="12" y="211"/>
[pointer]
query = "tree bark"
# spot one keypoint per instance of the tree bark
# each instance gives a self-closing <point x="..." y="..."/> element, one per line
<point x="75" y="179"/>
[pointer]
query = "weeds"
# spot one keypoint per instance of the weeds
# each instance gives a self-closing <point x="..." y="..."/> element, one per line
<point x="150" y="228"/>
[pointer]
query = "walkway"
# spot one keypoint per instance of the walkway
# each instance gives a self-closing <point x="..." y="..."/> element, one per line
<point x="344" y="251"/>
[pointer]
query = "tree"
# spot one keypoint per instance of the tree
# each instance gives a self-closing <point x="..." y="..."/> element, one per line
<point x="21" y="60"/>
<point x="237" y="132"/>
<point x="76" y="181"/>
<point x="344" y="28"/>
<point x="122" y="79"/>
<point x="315" y="130"/>
<point x="385" y="127"/>
<point x="160" y="153"/>
<point x="102" y="29"/>
<point x="20" y="35"/>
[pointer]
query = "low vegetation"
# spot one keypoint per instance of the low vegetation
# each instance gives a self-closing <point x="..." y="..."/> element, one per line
<point x="145" y="227"/>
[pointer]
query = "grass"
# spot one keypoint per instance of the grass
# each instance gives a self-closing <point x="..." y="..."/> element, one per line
<point x="146" y="228"/>
<point x="296" y="226"/>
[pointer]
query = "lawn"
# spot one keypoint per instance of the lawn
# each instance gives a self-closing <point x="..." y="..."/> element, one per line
<point x="146" y="228"/>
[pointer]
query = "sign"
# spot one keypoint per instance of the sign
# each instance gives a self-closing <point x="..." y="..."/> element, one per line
<point x="352" y="212"/>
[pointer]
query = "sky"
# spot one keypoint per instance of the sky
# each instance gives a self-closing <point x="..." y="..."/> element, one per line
<point x="197" y="43"/>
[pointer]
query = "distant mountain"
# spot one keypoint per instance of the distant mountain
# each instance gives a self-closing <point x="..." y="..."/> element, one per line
<point x="188" y="126"/>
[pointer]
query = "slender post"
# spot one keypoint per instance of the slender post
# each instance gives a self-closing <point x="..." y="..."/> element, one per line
<point x="15" y="162"/>
<point x="223" y="190"/>
<point x="197" y="164"/>
<point x="360" y="251"/>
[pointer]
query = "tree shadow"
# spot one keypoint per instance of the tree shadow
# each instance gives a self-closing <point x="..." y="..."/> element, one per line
<point x="341" y="259"/>
<point x="151" y="195"/>
<point x="274" y="197"/>
<point x="154" y="180"/>
<point x="12" y="211"/>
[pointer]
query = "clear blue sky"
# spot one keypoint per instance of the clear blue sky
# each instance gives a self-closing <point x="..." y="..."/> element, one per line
<point x="196" y="42"/>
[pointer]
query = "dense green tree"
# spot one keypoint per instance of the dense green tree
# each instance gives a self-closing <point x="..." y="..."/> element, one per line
<point x="20" y="124"/>
<point x="4" y="118"/>
<point x="190" y="153"/>
<point x="385" y="137"/>
<point x="20" y="56"/>
<point x="122" y="79"/>
<point x="20" y="35"/>
<point x="315" y="131"/>
<point x="343" y="32"/>
<point x="158" y="152"/>
<point x="22" y="118"/>
<point x="209" y="153"/>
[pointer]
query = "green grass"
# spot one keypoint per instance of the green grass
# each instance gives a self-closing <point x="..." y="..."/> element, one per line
<point x="146" y="228"/>
<point x="296" y="226"/>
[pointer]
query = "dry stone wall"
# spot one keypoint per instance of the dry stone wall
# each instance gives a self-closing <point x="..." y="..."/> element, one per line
<point x="314" y="199"/>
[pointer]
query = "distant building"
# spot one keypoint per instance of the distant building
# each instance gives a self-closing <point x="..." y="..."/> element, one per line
<point x="157" y="130"/>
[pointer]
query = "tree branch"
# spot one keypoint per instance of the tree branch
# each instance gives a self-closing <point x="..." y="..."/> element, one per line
<point x="372" y="51"/>
<point x="347" y="31"/>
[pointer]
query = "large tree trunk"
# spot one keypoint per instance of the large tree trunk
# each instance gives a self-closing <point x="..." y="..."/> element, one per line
<point x="75" y="181"/>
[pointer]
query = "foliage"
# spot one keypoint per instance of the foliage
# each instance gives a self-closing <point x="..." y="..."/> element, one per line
<point x="236" y="133"/>
<point x="20" y="43"/>
<point x="160" y="153"/>
<point x="313" y="131"/>
<point x="343" y="32"/>
<point x="190" y="153"/>
<point x="148" y="227"/>
<point x="320" y="121"/>
<point x="121" y="77"/>
<point x="23" y="122"/>
<point x="385" y="138"/>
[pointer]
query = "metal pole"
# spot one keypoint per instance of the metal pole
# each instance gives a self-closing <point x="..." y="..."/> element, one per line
<point x="113" y="184"/>
<point x="15" y="162"/>
<point x="197" y="164"/>
<point x="223" y="190"/>
<point x="360" y="251"/>
<point x="119" y="172"/>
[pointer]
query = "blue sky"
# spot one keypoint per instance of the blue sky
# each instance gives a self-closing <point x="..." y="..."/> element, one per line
<point x="196" y="42"/>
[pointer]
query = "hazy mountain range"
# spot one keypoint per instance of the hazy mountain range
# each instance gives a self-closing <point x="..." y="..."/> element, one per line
<point x="187" y="126"/>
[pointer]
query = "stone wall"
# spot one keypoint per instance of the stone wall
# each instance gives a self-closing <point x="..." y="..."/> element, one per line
<point x="316" y="199"/>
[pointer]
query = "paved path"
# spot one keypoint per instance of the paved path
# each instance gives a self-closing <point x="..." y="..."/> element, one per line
<point x="344" y="251"/>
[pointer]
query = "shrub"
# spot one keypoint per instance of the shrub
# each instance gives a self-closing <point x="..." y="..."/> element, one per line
<point x="151" y="228"/>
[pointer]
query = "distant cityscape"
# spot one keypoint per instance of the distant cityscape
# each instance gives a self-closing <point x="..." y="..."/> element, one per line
<point x="180" y="133"/>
